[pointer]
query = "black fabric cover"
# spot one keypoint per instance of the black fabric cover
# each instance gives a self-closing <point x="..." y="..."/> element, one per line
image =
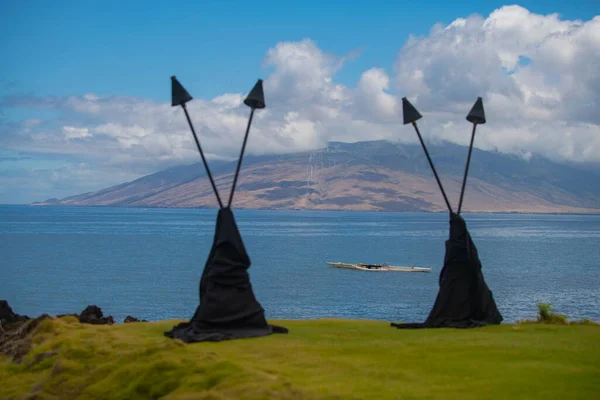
<point x="228" y="308"/>
<point x="464" y="299"/>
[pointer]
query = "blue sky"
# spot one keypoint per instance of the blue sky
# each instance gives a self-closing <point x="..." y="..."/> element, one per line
<point x="83" y="84"/>
<point x="60" y="48"/>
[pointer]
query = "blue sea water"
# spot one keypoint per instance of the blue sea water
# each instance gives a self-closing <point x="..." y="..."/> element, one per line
<point x="147" y="262"/>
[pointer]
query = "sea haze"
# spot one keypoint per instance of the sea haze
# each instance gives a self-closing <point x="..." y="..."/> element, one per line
<point x="147" y="262"/>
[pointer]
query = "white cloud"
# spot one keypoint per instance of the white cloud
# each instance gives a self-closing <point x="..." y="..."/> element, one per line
<point x="546" y="105"/>
<point x="72" y="132"/>
<point x="539" y="76"/>
<point x="372" y="96"/>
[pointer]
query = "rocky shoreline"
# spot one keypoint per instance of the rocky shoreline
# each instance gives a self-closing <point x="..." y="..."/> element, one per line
<point x="15" y="329"/>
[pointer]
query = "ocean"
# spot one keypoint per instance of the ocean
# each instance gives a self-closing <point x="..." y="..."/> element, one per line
<point x="147" y="262"/>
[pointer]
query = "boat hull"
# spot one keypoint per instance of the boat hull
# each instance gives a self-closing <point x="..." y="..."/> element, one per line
<point x="378" y="268"/>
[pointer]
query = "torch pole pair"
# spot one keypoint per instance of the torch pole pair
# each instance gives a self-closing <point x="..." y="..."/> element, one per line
<point x="255" y="99"/>
<point x="476" y="116"/>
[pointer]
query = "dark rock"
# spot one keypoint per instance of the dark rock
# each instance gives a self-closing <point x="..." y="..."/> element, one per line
<point x="17" y="341"/>
<point x="93" y="315"/>
<point x="91" y="312"/>
<point x="129" y="319"/>
<point x="7" y="315"/>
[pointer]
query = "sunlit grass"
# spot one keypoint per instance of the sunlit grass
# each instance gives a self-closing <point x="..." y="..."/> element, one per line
<point x="322" y="359"/>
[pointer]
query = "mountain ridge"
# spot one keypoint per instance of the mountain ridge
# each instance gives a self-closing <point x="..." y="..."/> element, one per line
<point x="365" y="176"/>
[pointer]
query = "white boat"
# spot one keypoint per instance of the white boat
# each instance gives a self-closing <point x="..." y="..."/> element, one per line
<point x="378" y="267"/>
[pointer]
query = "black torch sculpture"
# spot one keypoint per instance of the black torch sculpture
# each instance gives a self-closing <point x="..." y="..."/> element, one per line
<point x="464" y="299"/>
<point x="228" y="308"/>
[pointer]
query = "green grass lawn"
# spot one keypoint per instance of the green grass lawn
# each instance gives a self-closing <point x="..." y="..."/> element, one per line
<point x="318" y="359"/>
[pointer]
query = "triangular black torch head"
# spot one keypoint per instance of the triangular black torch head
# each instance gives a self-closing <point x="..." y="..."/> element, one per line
<point x="409" y="112"/>
<point x="477" y="114"/>
<point x="256" y="97"/>
<point x="179" y="96"/>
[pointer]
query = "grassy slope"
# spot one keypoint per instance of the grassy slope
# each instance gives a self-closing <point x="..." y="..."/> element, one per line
<point x="338" y="359"/>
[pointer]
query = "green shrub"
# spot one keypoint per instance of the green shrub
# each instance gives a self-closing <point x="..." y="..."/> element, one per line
<point x="544" y="310"/>
<point x="546" y="316"/>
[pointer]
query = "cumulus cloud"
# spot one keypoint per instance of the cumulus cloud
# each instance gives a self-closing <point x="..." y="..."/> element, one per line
<point x="539" y="76"/>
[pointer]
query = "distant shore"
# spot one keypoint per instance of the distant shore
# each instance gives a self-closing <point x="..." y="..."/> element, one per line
<point x="43" y="204"/>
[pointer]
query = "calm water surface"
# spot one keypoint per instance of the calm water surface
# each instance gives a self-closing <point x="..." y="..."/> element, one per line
<point x="147" y="262"/>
